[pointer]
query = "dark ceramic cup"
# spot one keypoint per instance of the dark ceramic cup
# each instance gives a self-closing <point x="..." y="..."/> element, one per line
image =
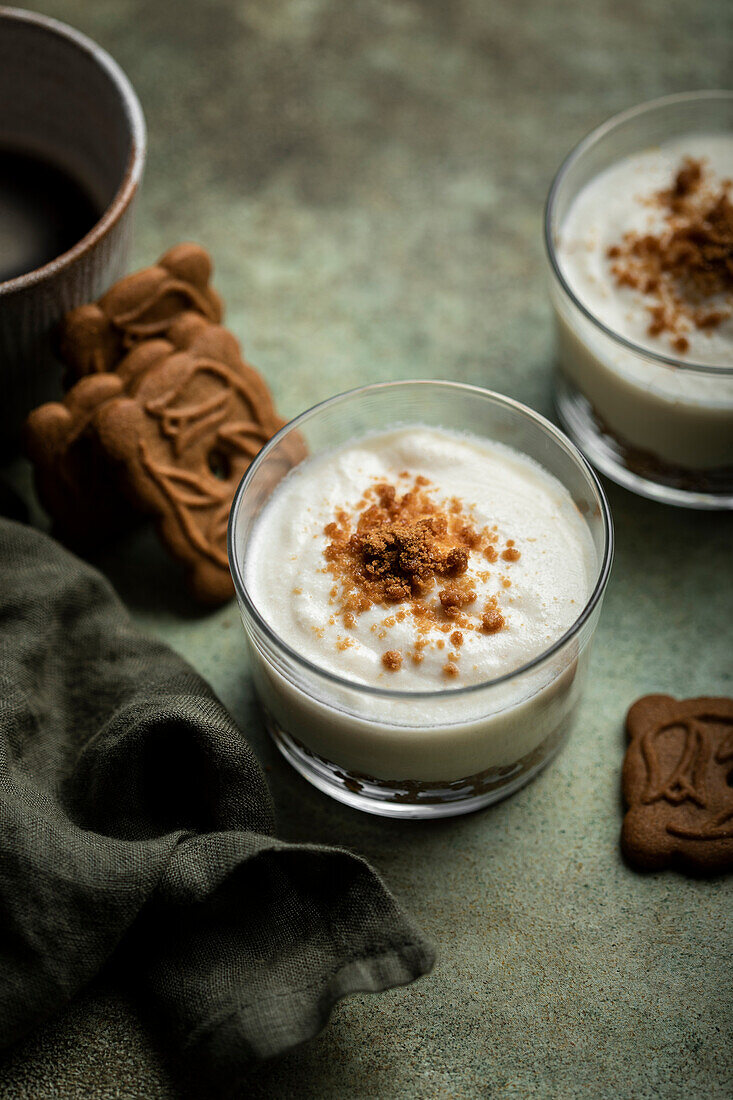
<point x="64" y="101"/>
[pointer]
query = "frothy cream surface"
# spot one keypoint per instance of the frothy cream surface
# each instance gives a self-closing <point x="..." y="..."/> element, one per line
<point x="539" y="595"/>
<point x="617" y="201"/>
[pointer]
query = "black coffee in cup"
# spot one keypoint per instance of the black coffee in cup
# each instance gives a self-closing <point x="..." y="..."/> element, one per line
<point x="43" y="212"/>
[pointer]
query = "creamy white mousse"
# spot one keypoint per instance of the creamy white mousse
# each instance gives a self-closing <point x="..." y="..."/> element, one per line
<point x="619" y="201"/>
<point x="539" y="595"/>
<point x="682" y="417"/>
<point x="542" y="570"/>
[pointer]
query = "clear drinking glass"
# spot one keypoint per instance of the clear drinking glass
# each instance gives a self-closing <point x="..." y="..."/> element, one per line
<point x="406" y="753"/>
<point x="659" y="425"/>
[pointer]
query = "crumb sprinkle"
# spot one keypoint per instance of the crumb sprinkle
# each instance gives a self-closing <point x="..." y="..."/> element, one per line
<point x="392" y="660"/>
<point x="492" y="620"/>
<point x="685" y="269"/>
<point x="400" y="549"/>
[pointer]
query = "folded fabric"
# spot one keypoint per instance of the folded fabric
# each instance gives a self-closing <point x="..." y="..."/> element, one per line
<point x="135" y="823"/>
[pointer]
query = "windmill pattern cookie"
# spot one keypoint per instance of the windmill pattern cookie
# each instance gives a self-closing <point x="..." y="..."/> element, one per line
<point x="182" y="440"/>
<point x="95" y="337"/>
<point x="678" y="784"/>
<point x="74" y="484"/>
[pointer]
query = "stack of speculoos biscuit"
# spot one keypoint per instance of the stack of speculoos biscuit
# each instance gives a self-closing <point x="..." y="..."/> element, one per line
<point x="162" y="417"/>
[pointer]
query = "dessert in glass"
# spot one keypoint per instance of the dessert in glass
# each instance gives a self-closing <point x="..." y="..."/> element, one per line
<point x="639" y="235"/>
<point x="420" y="568"/>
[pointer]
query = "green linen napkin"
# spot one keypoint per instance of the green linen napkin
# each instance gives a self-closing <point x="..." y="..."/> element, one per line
<point x="135" y="823"/>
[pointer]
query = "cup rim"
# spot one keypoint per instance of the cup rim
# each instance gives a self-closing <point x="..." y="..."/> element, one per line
<point x="597" y="134"/>
<point x="138" y="145"/>
<point x="597" y="592"/>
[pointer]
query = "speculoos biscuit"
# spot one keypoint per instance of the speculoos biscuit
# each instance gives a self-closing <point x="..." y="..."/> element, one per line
<point x="181" y="440"/>
<point x="94" y="338"/>
<point x="74" y="484"/>
<point x="678" y="784"/>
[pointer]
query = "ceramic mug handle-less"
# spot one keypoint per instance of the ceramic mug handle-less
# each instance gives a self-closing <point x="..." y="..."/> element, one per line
<point x="50" y="77"/>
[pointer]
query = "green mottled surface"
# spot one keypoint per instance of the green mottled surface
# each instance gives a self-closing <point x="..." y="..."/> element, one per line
<point x="369" y="176"/>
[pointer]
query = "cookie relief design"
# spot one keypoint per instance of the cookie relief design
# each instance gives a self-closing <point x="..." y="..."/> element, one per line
<point x="95" y="337"/>
<point x="74" y="483"/>
<point x="182" y="439"/>
<point x="678" y="784"/>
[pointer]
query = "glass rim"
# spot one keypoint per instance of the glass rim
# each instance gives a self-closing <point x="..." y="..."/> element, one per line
<point x="591" y="139"/>
<point x="603" y="569"/>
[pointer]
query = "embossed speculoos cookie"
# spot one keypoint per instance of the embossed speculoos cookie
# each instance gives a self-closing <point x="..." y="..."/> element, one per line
<point x="95" y="337"/>
<point x="75" y="486"/>
<point x="183" y="438"/>
<point x="678" y="784"/>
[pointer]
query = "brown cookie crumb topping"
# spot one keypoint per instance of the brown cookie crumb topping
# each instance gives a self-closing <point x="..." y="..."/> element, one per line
<point x="686" y="264"/>
<point x="404" y="551"/>
<point x="400" y="545"/>
<point x="392" y="660"/>
<point x="492" y="620"/>
<point x="454" y="597"/>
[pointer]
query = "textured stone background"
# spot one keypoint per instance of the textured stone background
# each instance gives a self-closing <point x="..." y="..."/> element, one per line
<point x="369" y="176"/>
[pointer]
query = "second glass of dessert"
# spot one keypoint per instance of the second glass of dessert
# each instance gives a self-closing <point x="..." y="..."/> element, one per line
<point x="639" y="234"/>
<point x="420" y="568"/>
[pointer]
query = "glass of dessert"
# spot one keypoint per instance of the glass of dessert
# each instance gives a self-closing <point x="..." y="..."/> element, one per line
<point x="639" y="235"/>
<point x="420" y="568"/>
